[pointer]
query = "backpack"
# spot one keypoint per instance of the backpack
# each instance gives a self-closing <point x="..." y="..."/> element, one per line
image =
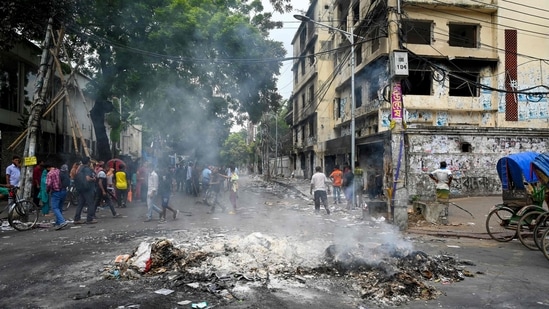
<point x="80" y="181"/>
<point x="65" y="179"/>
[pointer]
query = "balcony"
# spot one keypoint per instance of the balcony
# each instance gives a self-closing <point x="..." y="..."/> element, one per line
<point x="485" y="6"/>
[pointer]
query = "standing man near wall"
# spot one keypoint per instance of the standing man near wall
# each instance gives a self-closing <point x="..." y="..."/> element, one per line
<point x="443" y="179"/>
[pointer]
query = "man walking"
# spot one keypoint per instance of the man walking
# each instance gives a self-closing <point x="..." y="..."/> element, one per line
<point x="320" y="187"/>
<point x="85" y="184"/>
<point x="152" y="190"/>
<point x="56" y="186"/>
<point x="347" y="185"/>
<point x="103" y="192"/>
<point x="206" y="177"/>
<point x="165" y="190"/>
<point x="337" y="178"/>
<point x="36" y="179"/>
<point x="121" y="184"/>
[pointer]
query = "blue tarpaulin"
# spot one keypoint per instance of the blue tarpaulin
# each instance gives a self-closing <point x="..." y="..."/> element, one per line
<point x="516" y="168"/>
<point x="541" y="164"/>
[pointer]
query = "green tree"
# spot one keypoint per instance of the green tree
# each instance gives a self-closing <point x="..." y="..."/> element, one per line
<point x="187" y="68"/>
<point x="235" y="150"/>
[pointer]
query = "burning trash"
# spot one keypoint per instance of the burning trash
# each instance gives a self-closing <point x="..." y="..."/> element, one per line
<point x="229" y="266"/>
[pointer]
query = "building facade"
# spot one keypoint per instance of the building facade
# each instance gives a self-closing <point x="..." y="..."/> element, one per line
<point x="475" y="90"/>
<point x="64" y="121"/>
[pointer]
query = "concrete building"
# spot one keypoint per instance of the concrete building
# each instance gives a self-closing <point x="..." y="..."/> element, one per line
<point x="60" y="127"/>
<point x="66" y="126"/>
<point x="476" y="90"/>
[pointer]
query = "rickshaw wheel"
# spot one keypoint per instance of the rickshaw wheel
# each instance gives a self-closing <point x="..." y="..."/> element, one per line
<point x="544" y="241"/>
<point x="499" y="224"/>
<point x="539" y="229"/>
<point x="525" y="228"/>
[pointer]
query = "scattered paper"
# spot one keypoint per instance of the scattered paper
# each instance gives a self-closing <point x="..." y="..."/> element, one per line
<point x="164" y="291"/>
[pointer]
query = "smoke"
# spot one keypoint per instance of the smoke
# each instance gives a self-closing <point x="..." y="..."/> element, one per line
<point x="366" y="246"/>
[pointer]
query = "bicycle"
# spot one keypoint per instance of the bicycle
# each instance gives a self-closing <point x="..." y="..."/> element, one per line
<point x="72" y="197"/>
<point x="22" y="214"/>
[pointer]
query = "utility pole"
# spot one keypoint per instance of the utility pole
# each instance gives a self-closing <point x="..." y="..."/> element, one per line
<point x="41" y="89"/>
<point x="399" y="68"/>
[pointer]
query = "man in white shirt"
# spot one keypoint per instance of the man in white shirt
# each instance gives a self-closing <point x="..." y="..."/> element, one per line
<point x="321" y="188"/>
<point x="151" y="195"/>
<point x="443" y="180"/>
<point x="13" y="172"/>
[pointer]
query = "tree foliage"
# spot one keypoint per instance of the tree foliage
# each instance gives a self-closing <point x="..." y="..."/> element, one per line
<point x="188" y="68"/>
<point x="235" y="150"/>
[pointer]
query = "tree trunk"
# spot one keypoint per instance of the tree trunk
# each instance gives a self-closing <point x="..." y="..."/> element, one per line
<point x="97" y="114"/>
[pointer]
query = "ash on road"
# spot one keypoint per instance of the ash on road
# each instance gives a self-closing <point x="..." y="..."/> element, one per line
<point x="275" y="253"/>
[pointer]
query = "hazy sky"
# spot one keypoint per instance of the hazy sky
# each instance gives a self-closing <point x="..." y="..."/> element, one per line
<point x="285" y="35"/>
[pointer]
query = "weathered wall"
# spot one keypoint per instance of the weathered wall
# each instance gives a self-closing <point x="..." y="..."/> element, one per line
<point x="475" y="171"/>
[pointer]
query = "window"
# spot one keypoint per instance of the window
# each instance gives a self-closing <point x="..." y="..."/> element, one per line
<point x="358" y="54"/>
<point x="358" y="97"/>
<point x="417" y="32"/>
<point x="311" y="128"/>
<point x="337" y="108"/>
<point x="374" y="39"/>
<point x="312" y="56"/>
<point x="373" y="87"/>
<point x="356" y="12"/>
<point x="302" y="66"/>
<point x="463" y="35"/>
<point x="343" y="102"/>
<point x="302" y="38"/>
<point x="418" y="83"/>
<point x="466" y="147"/>
<point x="303" y="100"/>
<point x="311" y="94"/>
<point x="8" y="84"/>
<point x="464" y="84"/>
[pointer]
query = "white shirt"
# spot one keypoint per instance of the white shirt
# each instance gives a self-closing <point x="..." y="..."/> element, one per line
<point x="15" y="174"/>
<point x="443" y="176"/>
<point x="152" y="183"/>
<point x="318" y="182"/>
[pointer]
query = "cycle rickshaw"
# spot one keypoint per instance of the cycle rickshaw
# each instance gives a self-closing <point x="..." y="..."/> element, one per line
<point x="523" y="195"/>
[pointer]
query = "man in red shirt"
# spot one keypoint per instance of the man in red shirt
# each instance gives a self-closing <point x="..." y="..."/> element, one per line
<point x="36" y="176"/>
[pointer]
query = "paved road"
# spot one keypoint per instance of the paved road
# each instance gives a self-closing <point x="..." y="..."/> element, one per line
<point x="54" y="269"/>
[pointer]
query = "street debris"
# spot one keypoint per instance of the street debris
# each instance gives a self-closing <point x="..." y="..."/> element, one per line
<point x="388" y="273"/>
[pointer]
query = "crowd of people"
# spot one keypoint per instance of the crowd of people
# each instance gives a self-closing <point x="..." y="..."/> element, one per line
<point x="112" y="187"/>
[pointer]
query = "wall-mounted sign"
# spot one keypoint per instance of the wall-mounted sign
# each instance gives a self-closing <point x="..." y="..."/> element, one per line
<point x="29" y="161"/>
<point x="399" y="63"/>
<point x="396" y="102"/>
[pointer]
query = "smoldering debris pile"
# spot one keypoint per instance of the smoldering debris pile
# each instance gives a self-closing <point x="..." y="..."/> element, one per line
<point x="391" y="275"/>
<point x="223" y="264"/>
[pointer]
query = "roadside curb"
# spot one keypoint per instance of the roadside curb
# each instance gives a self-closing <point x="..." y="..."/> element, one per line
<point x="445" y="234"/>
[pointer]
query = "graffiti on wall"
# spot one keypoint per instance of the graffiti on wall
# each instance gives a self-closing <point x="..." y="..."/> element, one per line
<point x="474" y="172"/>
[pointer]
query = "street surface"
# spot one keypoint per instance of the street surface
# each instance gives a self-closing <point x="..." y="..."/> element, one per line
<point x="45" y="268"/>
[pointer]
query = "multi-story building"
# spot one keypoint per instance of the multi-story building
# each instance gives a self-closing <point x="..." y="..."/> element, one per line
<point x="476" y="90"/>
<point x="64" y="129"/>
